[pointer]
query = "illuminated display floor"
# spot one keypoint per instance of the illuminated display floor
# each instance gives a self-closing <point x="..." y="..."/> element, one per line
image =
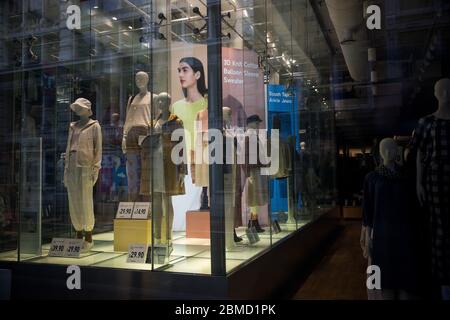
<point x="189" y="255"/>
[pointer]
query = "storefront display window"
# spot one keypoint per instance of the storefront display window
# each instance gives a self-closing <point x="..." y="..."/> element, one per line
<point x="106" y="145"/>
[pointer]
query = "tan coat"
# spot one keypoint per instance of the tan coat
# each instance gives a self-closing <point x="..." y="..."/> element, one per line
<point x="89" y="153"/>
<point x="173" y="174"/>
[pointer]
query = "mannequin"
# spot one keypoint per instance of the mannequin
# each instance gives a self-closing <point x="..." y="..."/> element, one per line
<point x="431" y="140"/>
<point x="164" y="178"/>
<point x="285" y="168"/>
<point x="257" y="183"/>
<point x="137" y="123"/>
<point x="231" y="179"/>
<point x="82" y="164"/>
<point x="201" y="167"/>
<point x="389" y="238"/>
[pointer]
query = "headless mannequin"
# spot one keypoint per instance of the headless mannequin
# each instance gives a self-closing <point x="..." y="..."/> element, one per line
<point x="137" y="122"/>
<point x="432" y="181"/>
<point x="162" y="202"/>
<point x="201" y="175"/>
<point x="288" y="163"/>
<point x="254" y="210"/>
<point x="442" y="94"/>
<point x="229" y="188"/>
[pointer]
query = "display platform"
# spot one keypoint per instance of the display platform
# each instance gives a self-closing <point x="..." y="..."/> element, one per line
<point x="188" y="269"/>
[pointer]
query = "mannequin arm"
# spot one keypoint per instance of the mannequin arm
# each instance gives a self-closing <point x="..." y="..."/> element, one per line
<point x="98" y="147"/>
<point x="419" y="177"/>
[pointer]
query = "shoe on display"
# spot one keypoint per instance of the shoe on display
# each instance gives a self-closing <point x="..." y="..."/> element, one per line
<point x="236" y="238"/>
<point x="87" y="246"/>
<point x="255" y="223"/>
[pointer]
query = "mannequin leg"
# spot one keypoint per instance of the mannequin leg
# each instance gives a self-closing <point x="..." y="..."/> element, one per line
<point x="291" y="205"/>
<point x="73" y="181"/>
<point x="169" y="214"/>
<point x="87" y="201"/>
<point x="204" y="199"/>
<point x="228" y="197"/>
<point x="157" y="216"/>
<point x="254" y="222"/>
<point x="133" y="175"/>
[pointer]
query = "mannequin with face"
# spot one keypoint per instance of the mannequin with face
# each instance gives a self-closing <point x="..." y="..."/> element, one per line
<point x="431" y="139"/>
<point x="82" y="165"/>
<point x="137" y="124"/>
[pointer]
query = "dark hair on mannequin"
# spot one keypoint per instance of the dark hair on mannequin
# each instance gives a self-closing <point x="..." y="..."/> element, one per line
<point x="197" y="66"/>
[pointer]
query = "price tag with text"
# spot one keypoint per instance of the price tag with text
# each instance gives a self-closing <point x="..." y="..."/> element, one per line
<point x="125" y="210"/>
<point x="73" y="248"/>
<point x="141" y="210"/>
<point x="136" y="253"/>
<point x="57" y="248"/>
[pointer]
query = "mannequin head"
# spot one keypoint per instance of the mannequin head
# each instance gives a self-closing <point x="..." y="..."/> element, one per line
<point x="163" y="101"/>
<point x="192" y="76"/>
<point x="82" y="108"/>
<point x="142" y="80"/>
<point x="227" y="116"/>
<point x="388" y="150"/>
<point x="253" y="122"/>
<point x="303" y="145"/>
<point x="115" y="118"/>
<point x="276" y="122"/>
<point x="442" y="91"/>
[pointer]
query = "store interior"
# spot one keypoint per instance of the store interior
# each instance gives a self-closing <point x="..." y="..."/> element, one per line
<point x="289" y="64"/>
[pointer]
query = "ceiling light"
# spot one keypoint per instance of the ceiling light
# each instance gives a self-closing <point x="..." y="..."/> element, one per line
<point x="114" y="18"/>
<point x="130" y="27"/>
<point x="95" y="7"/>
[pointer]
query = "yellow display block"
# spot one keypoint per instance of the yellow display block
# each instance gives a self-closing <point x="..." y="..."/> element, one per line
<point x="127" y="231"/>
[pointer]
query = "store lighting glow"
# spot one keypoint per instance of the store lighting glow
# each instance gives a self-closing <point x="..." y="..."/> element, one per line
<point x="130" y="27"/>
<point x="114" y="18"/>
<point x="95" y="7"/>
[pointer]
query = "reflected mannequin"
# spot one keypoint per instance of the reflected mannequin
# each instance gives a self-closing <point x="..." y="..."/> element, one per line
<point x="82" y="164"/>
<point x="431" y="139"/>
<point x="137" y="124"/>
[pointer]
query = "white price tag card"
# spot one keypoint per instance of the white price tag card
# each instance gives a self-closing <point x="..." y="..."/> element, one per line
<point x="57" y="247"/>
<point x="141" y="210"/>
<point x="73" y="248"/>
<point x="136" y="253"/>
<point x="125" y="210"/>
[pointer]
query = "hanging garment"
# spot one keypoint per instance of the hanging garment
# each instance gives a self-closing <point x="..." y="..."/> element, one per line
<point x="432" y="138"/>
